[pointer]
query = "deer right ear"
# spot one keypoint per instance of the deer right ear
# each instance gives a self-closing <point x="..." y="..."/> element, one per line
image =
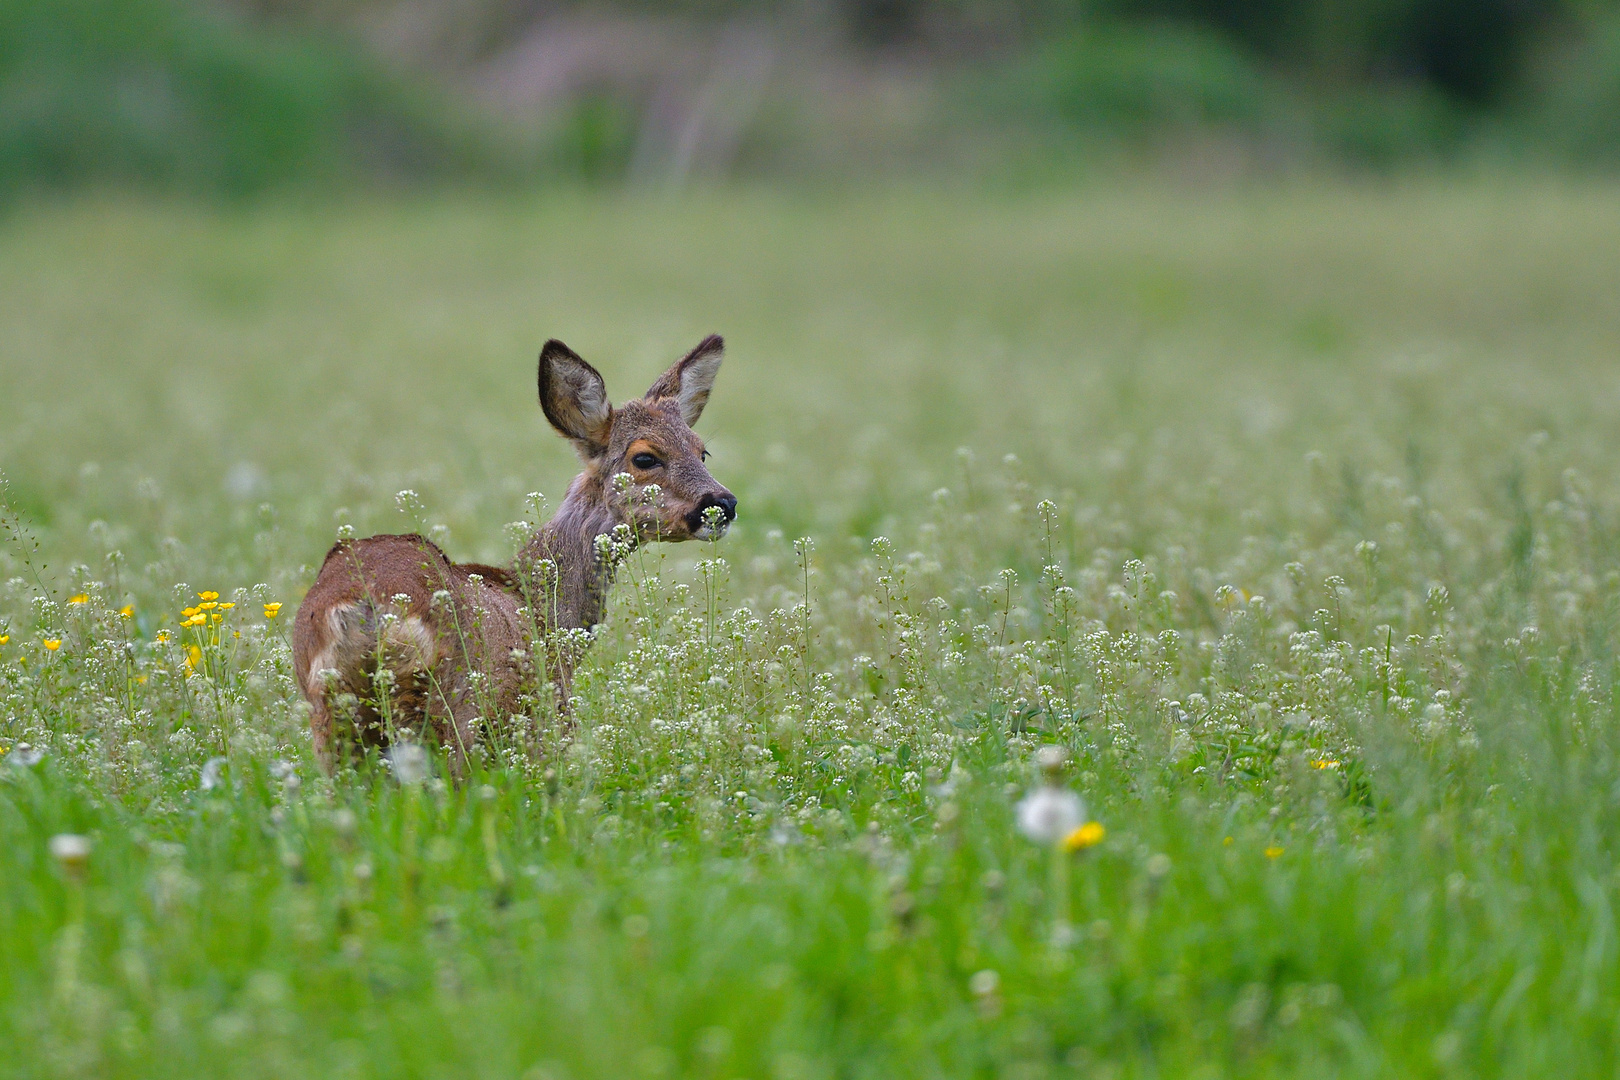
<point x="691" y="379"/>
<point x="574" y="398"/>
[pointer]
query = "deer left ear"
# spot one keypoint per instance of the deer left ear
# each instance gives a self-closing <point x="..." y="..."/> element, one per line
<point x="574" y="398"/>
<point x="691" y="379"/>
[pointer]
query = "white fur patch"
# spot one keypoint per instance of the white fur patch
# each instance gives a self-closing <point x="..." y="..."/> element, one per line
<point x="410" y="643"/>
<point x="337" y="622"/>
<point x="705" y="532"/>
<point x="415" y="642"/>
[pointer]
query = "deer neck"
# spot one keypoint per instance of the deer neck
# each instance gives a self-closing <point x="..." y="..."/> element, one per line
<point x="584" y="575"/>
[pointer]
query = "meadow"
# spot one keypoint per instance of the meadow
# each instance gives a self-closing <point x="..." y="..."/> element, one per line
<point x="1288" y="510"/>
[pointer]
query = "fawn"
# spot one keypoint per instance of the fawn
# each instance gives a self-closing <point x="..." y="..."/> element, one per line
<point x="393" y="638"/>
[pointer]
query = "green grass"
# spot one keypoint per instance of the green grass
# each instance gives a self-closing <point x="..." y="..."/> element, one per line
<point x="1323" y="605"/>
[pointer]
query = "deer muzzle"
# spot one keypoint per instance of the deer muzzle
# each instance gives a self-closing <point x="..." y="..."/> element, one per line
<point x="697" y="520"/>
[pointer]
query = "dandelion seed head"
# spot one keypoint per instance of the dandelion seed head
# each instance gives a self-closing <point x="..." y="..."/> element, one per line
<point x="71" y="852"/>
<point x="1049" y="814"/>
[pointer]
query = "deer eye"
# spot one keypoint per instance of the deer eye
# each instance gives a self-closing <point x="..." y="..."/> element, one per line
<point x="645" y="461"/>
<point x="705" y="455"/>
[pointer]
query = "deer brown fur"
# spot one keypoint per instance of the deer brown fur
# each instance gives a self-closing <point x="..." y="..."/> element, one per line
<point x="395" y="637"/>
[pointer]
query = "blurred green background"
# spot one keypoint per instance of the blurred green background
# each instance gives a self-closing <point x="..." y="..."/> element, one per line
<point x="241" y="96"/>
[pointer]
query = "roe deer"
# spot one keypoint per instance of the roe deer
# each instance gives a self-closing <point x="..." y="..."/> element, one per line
<point x="393" y="636"/>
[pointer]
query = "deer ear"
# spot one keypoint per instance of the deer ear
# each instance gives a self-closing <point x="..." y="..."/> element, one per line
<point x="691" y="379"/>
<point x="574" y="398"/>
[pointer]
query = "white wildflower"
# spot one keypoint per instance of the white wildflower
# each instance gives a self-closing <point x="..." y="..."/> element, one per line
<point x="409" y="762"/>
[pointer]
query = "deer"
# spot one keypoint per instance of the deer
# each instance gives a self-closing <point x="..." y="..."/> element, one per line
<point x="393" y="640"/>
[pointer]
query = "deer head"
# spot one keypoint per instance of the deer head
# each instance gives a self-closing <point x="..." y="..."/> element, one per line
<point x="649" y="439"/>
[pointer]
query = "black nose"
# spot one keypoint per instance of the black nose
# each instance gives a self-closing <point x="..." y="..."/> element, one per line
<point x="727" y="504"/>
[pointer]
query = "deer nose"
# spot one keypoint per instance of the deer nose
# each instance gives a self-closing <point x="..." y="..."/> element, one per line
<point x="726" y="502"/>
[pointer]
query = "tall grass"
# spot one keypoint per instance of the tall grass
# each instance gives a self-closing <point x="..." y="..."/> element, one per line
<point x="1287" y="513"/>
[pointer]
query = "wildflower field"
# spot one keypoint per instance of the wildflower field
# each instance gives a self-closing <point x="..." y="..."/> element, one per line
<point x="1166" y="633"/>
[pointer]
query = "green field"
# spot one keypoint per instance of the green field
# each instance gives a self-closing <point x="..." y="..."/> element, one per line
<point x="1290" y="510"/>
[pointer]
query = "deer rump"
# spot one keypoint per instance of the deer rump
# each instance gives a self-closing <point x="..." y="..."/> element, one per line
<point x="390" y="635"/>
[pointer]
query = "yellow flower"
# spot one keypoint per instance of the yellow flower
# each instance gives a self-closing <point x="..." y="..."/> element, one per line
<point x="53" y="643"/>
<point x="193" y="657"/>
<point x="1226" y="842"/>
<point x="1088" y="835"/>
<point x="127" y="611"/>
<point x="163" y="637"/>
<point x="4" y="638"/>
<point x="1325" y="763"/>
<point x="226" y="607"/>
<point x="272" y="610"/>
<point x="236" y="633"/>
<point x="141" y="679"/>
<point x="216" y="616"/>
<point x="188" y="612"/>
<point x="1273" y="851"/>
<point x="207" y="606"/>
<point x="82" y="598"/>
<point x="208" y="596"/>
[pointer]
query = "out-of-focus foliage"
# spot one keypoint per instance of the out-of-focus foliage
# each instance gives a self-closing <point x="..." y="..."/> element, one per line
<point x="242" y="95"/>
<point x="1136" y="78"/>
<point x="1368" y="83"/>
<point x="163" y="92"/>
<point x="1576" y="100"/>
<point x="1471" y="50"/>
